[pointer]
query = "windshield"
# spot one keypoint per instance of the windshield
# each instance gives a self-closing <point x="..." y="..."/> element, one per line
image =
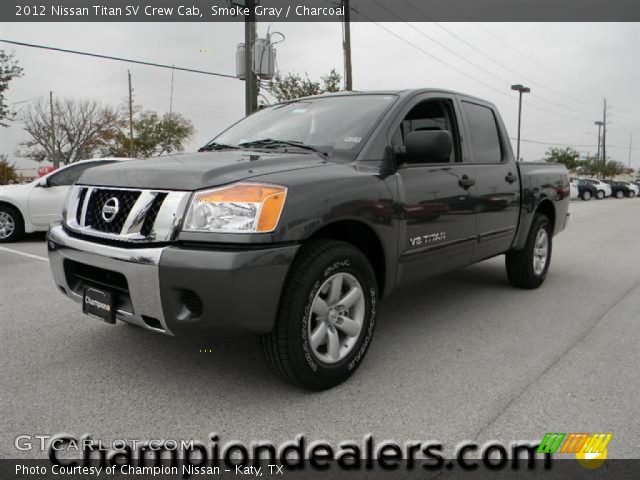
<point x="330" y="124"/>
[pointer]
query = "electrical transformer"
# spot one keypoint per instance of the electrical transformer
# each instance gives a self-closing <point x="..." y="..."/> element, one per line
<point x="264" y="59"/>
<point x="240" y="73"/>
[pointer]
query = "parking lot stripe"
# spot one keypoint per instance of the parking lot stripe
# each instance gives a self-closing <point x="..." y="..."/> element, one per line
<point x="18" y="252"/>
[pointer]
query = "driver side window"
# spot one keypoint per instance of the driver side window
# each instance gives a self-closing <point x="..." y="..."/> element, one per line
<point x="428" y="115"/>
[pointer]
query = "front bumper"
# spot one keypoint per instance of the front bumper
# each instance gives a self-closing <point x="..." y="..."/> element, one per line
<point x="177" y="290"/>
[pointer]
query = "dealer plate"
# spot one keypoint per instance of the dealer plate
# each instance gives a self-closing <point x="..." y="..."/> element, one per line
<point x="99" y="304"/>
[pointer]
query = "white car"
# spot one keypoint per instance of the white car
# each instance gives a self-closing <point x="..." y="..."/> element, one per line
<point x="32" y="207"/>
<point x="575" y="193"/>
<point x="604" y="189"/>
<point x="633" y="187"/>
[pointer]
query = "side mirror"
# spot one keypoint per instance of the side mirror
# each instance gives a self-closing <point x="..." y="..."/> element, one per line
<point x="428" y="146"/>
<point x="44" y="182"/>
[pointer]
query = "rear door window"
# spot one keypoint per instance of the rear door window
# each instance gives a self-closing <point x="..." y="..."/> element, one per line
<point x="484" y="139"/>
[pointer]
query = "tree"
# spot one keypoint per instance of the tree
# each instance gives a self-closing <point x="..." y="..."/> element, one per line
<point x="154" y="135"/>
<point x="292" y="85"/>
<point x="7" y="171"/>
<point x="9" y="69"/>
<point x="568" y="156"/>
<point x="82" y="128"/>
<point x="591" y="166"/>
<point x="613" y="168"/>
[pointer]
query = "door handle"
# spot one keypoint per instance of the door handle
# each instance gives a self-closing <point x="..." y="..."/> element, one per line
<point x="510" y="177"/>
<point x="466" y="182"/>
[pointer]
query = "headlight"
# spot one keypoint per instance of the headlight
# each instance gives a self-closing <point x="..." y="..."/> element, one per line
<point x="239" y="208"/>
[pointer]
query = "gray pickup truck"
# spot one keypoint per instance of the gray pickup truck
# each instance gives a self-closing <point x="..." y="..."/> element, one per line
<point x="294" y="222"/>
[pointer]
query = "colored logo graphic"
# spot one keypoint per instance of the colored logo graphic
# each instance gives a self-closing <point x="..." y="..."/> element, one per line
<point x="590" y="449"/>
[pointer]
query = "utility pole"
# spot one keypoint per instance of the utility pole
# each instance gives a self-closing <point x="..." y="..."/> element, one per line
<point x="604" y="137"/>
<point x="250" y="83"/>
<point x="599" y="124"/>
<point x="54" y="156"/>
<point x="131" y="152"/>
<point x="171" y="97"/>
<point x="347" y="46"/>
<point x="520" y="89"/>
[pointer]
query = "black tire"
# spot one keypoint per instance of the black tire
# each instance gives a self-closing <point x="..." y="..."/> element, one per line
<point x="619" y="194"/>
<point x="519" y="263"/>
<point x="586" y="195"/>
<point x="600" y="194"/>
<point x="286" y="348"/>
<point x="18" y="224"/>
<point x="632" y="194"/>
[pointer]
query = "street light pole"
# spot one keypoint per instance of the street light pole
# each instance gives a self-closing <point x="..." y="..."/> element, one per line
<point x="520" y="89"/>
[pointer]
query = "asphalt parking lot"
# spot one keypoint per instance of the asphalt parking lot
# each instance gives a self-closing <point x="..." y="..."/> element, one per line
<point x="462" y="357"/>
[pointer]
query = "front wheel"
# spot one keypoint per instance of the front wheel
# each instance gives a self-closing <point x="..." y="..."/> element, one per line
<point x="586" y="195"/>
<point x="11" y="224"/>
<point x="632" y="194"/>
<point x="327" y="316"/>
<point x="619" y="194"/>
<point x="527" y="268"/>
<point x="600" y="194"/>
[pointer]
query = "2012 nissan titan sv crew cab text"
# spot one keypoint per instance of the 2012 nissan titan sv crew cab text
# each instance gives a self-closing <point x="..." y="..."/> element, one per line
<point x="295" y="221"/>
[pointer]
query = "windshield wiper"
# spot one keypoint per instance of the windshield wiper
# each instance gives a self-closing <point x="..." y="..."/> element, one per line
<point x="271" y="142"/>
<point x="217" y="146"/>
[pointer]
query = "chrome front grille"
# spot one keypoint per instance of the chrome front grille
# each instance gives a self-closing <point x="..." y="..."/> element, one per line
<point x="94" y="217"/>
<point x="133" y="215"/>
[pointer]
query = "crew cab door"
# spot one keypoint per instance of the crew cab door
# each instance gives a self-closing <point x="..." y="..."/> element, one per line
<point x="437" y="196"/>
<point x="497" y="178"/>
<point x="46" y="200"/>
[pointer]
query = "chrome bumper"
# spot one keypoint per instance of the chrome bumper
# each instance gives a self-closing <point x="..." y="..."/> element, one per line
<point x="140" y="266"/>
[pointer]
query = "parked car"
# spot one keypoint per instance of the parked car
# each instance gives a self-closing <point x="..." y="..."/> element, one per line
<point x="33" y="206"/>
<point x="620" y="189"/>
<point x="635" y="188"/>
<point x="575" y="192"/>
<point x="586" y="190"/>
<point x="603" y="190"/>
<point x="275" y="227"/>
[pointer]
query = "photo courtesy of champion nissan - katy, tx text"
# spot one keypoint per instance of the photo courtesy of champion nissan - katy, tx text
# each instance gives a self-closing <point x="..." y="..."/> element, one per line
<point x="294" y="223"/>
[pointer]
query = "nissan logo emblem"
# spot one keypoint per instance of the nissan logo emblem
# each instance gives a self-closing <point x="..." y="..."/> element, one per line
<point x="110" y="209"/>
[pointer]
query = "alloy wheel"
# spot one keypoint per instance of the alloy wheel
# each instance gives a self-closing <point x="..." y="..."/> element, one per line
<point x="7" y="225"/>
<point x="336" y="319"/>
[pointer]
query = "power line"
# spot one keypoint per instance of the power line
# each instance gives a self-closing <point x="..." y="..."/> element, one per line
<point x="501" y="65"/>
<point x="519" y="52"/>
<point x="538" y="142"/>
<point x="119" y="59"/>
<point x="501" y="92"/>
<point x="466" y="60"/>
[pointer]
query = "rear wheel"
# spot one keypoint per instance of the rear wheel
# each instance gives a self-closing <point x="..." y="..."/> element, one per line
<point x="600" y="194"/>
<point x="586" y="195"/>
<point x="619" y="194"/>
<point x="327" y="316"/>
<point x="632" y="194"/>
<point x="11" y="224"/>
<point x="527" y="268"/>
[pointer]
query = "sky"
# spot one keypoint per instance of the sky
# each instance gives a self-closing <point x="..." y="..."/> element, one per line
<point x="570" y="68"/>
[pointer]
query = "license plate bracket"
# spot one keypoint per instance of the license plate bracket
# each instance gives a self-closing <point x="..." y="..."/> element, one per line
<point x="99" y="304"/>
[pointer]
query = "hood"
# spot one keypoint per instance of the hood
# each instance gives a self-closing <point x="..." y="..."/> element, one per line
<point x="194" y="171"/>
<point x="8" y="189"/>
